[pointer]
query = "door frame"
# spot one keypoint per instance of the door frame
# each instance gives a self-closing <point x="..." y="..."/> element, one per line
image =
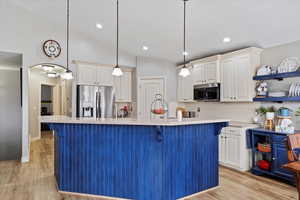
<point x="54" y="96"/>
<point x="140" y="79"/>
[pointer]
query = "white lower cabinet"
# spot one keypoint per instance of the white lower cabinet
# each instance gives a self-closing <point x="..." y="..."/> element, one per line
<point x="233" y="151"/>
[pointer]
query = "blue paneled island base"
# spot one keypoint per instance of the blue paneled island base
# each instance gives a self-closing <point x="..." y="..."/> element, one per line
<point x="142" y="162"/>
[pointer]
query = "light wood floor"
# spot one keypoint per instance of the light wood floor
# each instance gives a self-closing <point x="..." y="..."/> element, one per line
<point x="35" y="181"/>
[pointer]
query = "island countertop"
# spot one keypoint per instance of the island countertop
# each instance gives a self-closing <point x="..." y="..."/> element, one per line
<point x="129" y="121"/>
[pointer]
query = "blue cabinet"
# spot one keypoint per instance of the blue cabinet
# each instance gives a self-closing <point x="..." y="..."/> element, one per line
<point x="277" y="157"/>
<point x="280" y="158"/>
<point x="136" y="162"/>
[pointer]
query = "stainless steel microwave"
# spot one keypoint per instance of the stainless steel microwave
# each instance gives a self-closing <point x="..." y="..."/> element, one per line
<point x="207" y="92"/>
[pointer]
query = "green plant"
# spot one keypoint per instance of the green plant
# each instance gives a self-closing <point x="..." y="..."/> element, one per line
<point x="297" y="113"/>
<point x="263" y="110"/>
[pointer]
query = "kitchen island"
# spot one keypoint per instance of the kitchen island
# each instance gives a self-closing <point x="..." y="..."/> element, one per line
<point x="135" y="159"/>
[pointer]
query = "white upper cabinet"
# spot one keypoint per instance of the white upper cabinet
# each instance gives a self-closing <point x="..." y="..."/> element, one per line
<point x="185" y="88"/>
<point x="123" y="87"/>
<point x="237" y="70"/>
<point x="88" y="74"/>
<point x="206" y="70"/>
<point x="104" y="76"/>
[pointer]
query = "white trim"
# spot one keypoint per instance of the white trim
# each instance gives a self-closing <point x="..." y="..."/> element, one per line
<point x="10" y="68"/>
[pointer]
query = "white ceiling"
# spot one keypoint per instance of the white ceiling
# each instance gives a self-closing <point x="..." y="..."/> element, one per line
<point x="159" y="23"/>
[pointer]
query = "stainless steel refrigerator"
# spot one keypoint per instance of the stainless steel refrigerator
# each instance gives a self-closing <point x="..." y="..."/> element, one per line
<point x="10" y="113"/>
<point x="95" y="101"/>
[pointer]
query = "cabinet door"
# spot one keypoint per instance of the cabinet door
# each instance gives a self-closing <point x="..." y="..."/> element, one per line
<point x="228" y="84"/>
<point x="185" y="89"/>
<point x="86" y="75"/>
<point x="280" y="158"/>
<point x="233" y="149"/>
<point x="126" y="87"/>
<point x="211" y="70"/>
<point x="243" y="78"/>
<point x="123" y="87"/>
<point x="199" y="74"/>
<point x="104" y="76"/>
<point x="118" y="88"/>
<point x="222" y="147"/>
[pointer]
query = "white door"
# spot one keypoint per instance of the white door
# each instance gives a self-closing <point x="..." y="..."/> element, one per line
<point x="147" y="89"/>
<point x="233" y="149"/>
<point x="243" y="78"/>
<point x="228" y="86"/>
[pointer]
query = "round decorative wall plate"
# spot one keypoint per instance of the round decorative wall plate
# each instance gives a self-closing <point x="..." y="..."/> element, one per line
<point x="52" y="48"/>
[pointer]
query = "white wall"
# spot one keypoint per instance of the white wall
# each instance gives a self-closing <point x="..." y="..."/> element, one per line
<point x="23" y="33"/>
<point x="156" y="67"/>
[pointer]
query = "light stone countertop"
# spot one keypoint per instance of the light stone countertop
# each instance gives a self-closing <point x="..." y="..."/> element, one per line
<point x="128" y="121"/>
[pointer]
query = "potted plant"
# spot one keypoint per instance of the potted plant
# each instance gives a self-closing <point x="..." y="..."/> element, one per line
<point x="264" y="113"/>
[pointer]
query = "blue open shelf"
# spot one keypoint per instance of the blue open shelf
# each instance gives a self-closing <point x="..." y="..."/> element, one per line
<point x="277" y="99"/>
<point x="279" y="76"/>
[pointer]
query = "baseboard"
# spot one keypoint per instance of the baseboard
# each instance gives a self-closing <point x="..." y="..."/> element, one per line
<point x="32" y="139"/>
<point x="90" y="196"/>
<point x="25" y="159"/>
<point x="112" y="198"/>
<point x="196" y="194"/>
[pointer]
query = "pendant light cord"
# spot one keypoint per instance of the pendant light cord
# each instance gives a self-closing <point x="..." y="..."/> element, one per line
<point x="184" y="33"/>
<point x="117" y="61"/>
<point x="68" y="27"/>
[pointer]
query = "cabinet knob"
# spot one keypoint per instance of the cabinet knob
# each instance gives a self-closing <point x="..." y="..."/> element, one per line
<point x="273" y="158"/>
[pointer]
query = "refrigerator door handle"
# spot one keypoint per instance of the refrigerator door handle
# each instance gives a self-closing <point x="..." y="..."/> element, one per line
<point x="96" y="111"/>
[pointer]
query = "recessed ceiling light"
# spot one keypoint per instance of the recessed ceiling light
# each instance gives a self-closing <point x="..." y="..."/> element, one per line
<point x="227" y="39"/>
<point x="185" y="53"/>
<point x="99" y="26"/>
<point x="145" y="48"/>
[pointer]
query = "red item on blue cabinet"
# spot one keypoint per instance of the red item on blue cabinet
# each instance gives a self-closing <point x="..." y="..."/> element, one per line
<point x="263" y="164"/>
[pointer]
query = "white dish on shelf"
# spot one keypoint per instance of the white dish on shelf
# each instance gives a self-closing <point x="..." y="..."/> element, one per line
<point x="277" y="94"/>
<point x="291" y="91"/>
<point x="290" y="64"/>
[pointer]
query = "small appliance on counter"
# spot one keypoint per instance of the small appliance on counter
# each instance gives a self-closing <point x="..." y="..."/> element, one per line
<point x="207" y="92"/>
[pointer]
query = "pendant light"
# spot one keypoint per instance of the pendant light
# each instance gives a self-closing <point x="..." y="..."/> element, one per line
<point x="68" y="75"/>
<point x="117" y="70"/>
<point x="184" y="72"/>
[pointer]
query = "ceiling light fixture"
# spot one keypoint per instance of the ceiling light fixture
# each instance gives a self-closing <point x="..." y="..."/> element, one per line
<point x="48" y="68"/>
<point x="68" y="75"/>
<point x="52" y="75"/>
<point x="99" y="26"/>
<point x="185" y="53"/>
<point x="227" y="39"/>
<point x="145" y="48"/>
<point x="184" y="72"/>
<point x="117" y="70"/>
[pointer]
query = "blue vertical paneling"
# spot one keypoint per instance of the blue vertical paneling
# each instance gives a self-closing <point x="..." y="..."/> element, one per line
<point x="136" y="162"/>
<point x="190" y="159"/>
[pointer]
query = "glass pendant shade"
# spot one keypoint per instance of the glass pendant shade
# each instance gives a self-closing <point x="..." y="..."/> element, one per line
<point x="117" y="71"/>
<point x="47" y="68"/>
<point x="184" y="72"/>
